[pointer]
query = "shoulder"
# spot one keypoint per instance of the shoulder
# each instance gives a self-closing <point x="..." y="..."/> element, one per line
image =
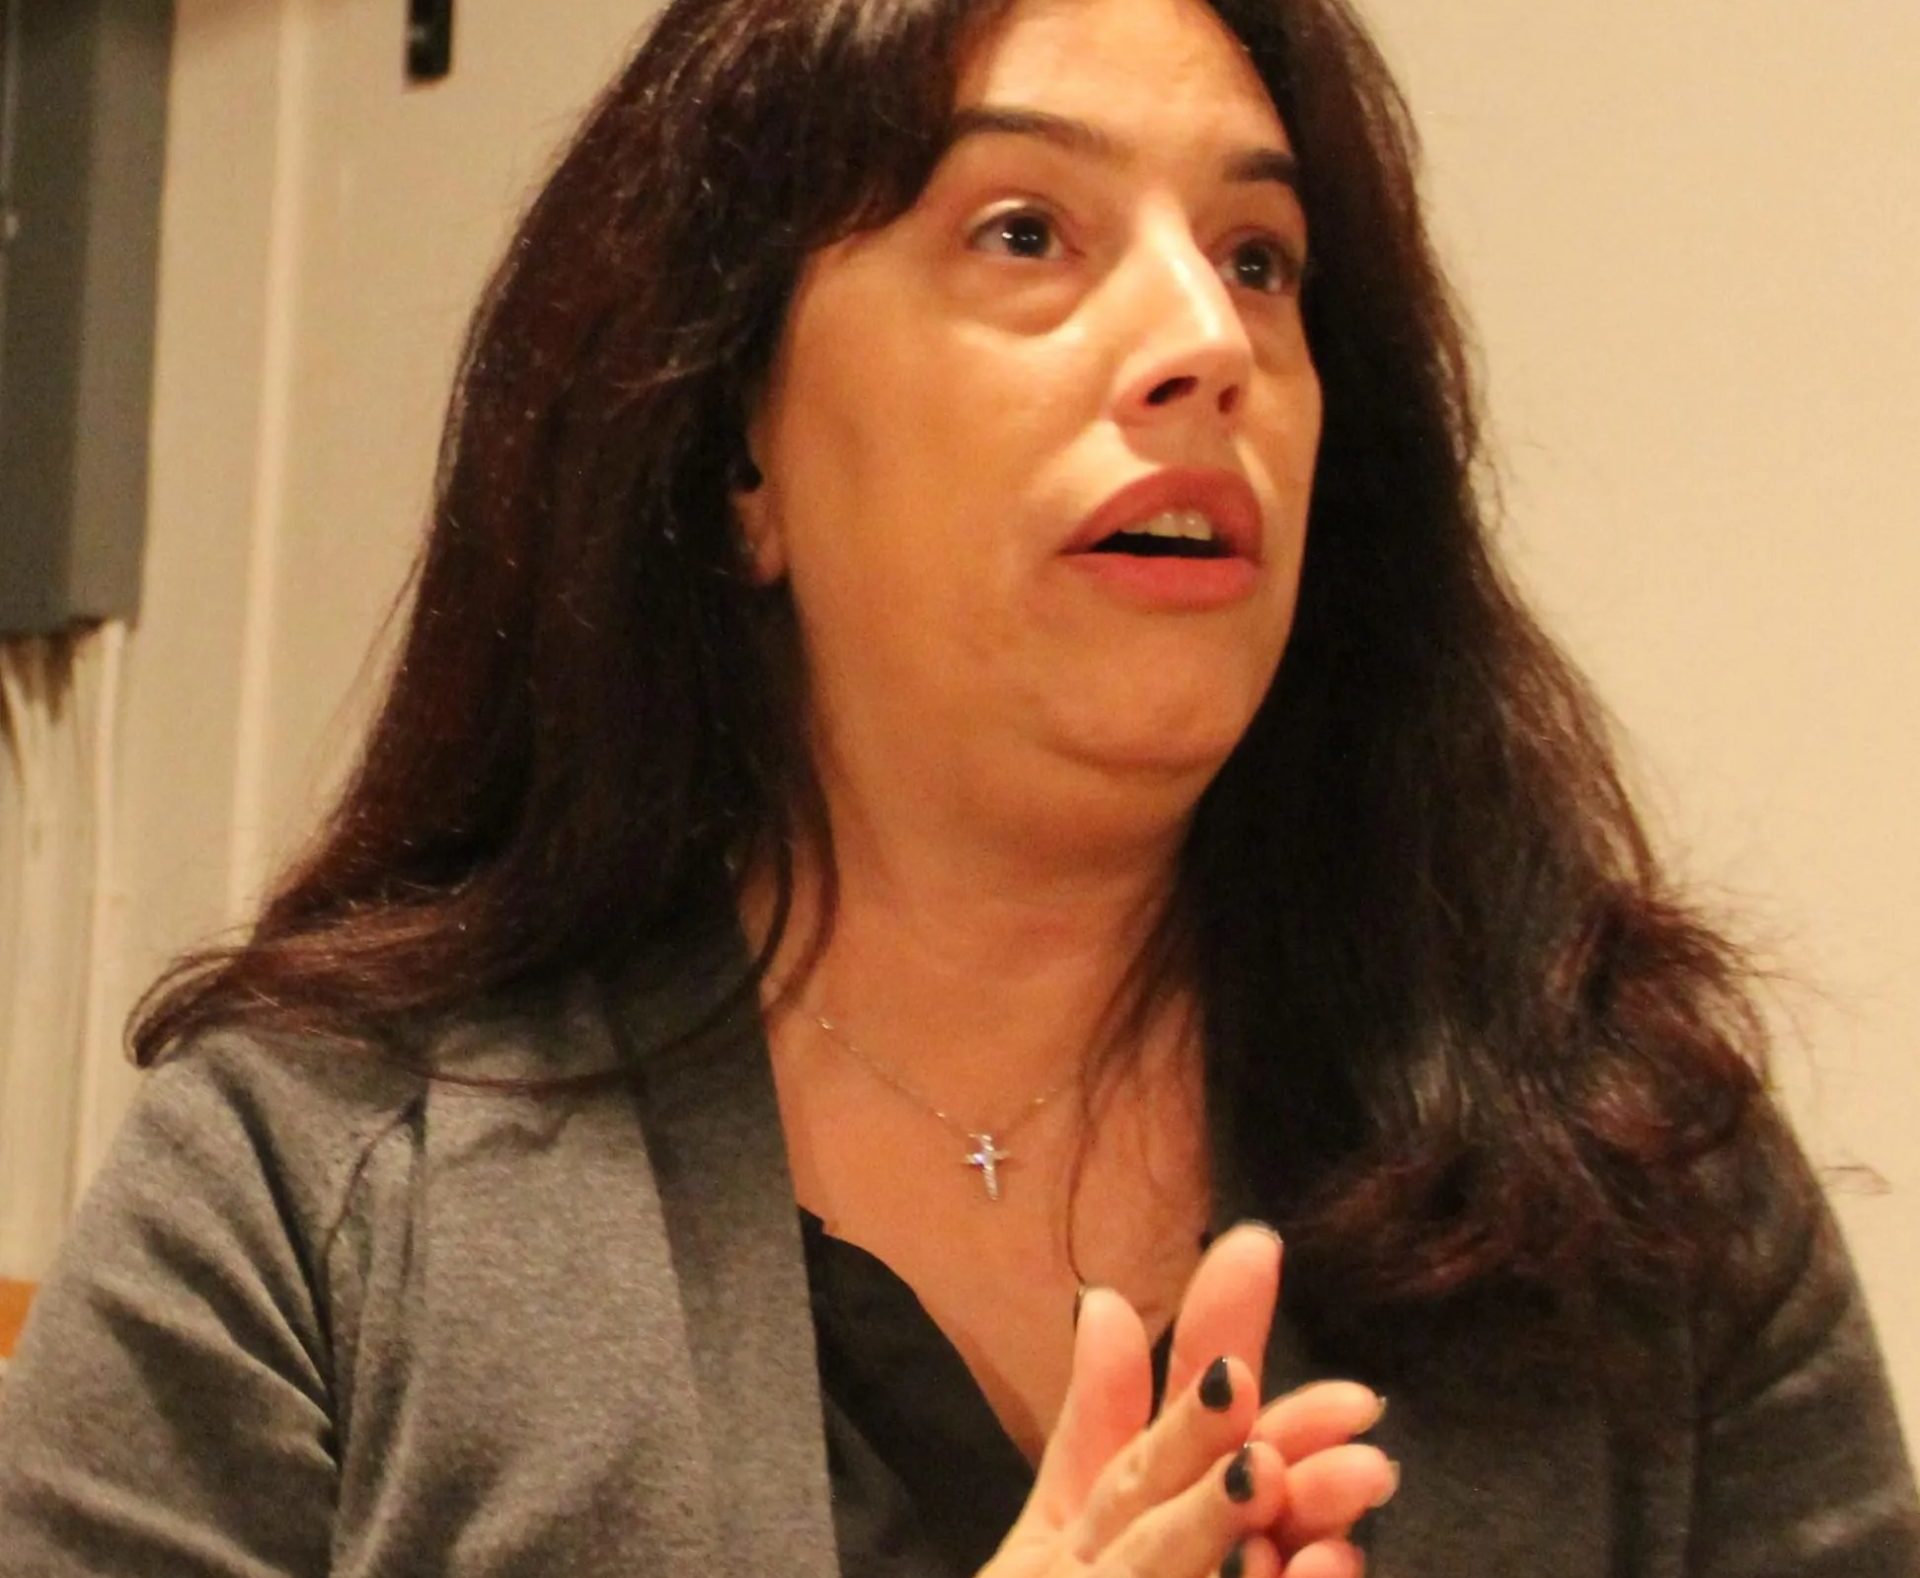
<point x="305" y="1109"/>
<point x="1776" y="1290"/>
<point x="288" y="1123"/>
<point x="238" y="1135"/>
<point x="1799" y="1460"/>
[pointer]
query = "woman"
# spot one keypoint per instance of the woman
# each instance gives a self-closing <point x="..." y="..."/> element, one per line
<point x="844" y="757"/>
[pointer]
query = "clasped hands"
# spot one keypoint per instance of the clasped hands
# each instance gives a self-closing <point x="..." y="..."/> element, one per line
<point x="1215" y="1483"/>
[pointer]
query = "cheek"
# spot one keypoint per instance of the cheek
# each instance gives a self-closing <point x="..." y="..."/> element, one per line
<point x="1292" y="413"/>
<point x="907" y="461"/>
<point x="1290" y="453"/>
<point x="880" y="540"/>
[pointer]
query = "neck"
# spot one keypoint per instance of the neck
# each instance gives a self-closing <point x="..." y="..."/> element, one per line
<point x="977" y="968"/>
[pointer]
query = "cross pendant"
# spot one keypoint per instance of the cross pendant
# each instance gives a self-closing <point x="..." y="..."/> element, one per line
<point x="987" y="1157"/>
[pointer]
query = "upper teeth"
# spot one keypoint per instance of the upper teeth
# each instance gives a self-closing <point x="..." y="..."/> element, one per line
<point x="1177" y="523"/>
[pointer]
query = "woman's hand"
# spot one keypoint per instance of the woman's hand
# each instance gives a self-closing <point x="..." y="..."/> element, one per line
<point x="1117" y="1497"/>
<point x="1331" y="1481"/>
<point x="1214" y="1483"/>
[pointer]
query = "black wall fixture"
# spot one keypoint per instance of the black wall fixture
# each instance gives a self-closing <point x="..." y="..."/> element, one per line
<point x="429" y="39"/>
<point x="83" y="98"/>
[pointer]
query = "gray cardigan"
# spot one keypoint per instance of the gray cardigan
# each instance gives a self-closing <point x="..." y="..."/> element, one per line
<point x="318" y="1317"/>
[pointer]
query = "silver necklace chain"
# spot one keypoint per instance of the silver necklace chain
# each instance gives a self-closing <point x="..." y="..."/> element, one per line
<point x="984" y="1153"/>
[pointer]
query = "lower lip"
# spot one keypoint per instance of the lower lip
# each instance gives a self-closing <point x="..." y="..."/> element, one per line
<point x="1190" y="585"/>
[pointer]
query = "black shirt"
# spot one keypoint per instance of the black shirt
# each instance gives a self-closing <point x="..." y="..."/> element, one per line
<point x="925" y="1480"/>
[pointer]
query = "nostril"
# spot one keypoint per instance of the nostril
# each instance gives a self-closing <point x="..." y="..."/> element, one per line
<point x="1178" y="388"/>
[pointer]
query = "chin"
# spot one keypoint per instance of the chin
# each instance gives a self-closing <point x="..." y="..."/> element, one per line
<point x="1161" y="717"/>
<point x="1183" y="756"/>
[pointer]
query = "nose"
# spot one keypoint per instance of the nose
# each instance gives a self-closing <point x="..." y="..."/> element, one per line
<point x="1190" y="356"/>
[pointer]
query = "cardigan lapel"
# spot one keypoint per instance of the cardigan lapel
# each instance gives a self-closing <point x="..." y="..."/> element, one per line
<point x="719" y="1159"/>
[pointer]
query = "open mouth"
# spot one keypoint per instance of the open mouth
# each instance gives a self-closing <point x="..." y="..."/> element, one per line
<point x="1185" y="533"/>
<point x="1181" y="540"/>
<point x="1178" y="559"/>
<point x="1144" y="545"/>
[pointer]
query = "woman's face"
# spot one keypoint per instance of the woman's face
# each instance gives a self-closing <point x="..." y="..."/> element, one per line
<point x="1099" y="285"/>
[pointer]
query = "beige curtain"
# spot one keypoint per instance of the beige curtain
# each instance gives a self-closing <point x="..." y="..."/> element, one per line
<point x="59" y="699"/>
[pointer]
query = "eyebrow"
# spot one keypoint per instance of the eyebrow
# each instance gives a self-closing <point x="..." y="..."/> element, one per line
<point x="1245" y="164"/>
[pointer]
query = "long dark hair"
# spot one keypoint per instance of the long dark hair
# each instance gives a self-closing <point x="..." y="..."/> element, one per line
<point x="1469" y="1038"/>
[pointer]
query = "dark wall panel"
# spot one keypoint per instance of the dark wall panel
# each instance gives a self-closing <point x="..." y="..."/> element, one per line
<point x="85" y="135"/>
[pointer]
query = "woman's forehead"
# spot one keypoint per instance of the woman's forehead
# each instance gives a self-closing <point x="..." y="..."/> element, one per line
<point x="1127" y="66"/>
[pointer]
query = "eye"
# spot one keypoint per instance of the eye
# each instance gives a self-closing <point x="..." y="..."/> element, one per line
<point x="1023" y="232"/>
<point x="1268" y="265"/>
<point x="1265" y="264"/>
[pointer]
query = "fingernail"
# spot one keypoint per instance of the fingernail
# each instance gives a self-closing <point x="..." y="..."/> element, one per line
<point x="1379" y="1412"/>
<point x="1239" y="1476"/>
<point x="1216" y="1387"/>
<point x="1393" y="1485"/>
<point x="1079" y="1298"/>
<point x="1266" y="1227"/>
<point x="1235" y="1564"/>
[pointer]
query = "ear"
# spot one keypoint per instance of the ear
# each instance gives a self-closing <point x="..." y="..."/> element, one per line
<point x="755" y="508"/>
<point x="759" y="522"/>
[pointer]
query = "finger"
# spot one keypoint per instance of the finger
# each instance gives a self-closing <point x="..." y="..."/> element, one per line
<point x="1173" y="1455"/>
<point x="1329" y="1492"/>
<point x="1322" y="1415"/>
<point x="1254" y="1557"/>
<point x="1228" y="1306"/>
<point x="1327" y="1559"/>
<point x="1109" y="1400"/>
<point x="1194" y="1533"/>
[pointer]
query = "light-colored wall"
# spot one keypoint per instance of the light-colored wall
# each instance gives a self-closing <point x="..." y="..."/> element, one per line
<point x="326" y="229"/>
<point x="1685" y="238"/>
<point x="1686" y="235"/>
<point x="405" y="198"/>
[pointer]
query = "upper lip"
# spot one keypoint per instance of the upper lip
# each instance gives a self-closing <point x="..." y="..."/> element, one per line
<point x="1224" y="497"/>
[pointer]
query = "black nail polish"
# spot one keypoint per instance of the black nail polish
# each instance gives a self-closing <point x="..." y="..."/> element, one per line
<point x="1216" y="1387"/>
<point x="1239" y="1476"/>
<point x="1235" y="1564"/>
